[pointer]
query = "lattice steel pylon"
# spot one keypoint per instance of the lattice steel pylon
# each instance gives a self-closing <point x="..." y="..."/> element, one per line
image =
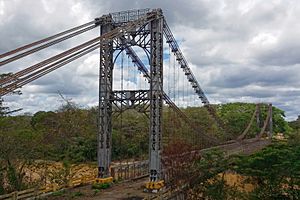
<point x="156" y="89"/>
<point x="148" y="36"/>
<point x="105" y="104"/>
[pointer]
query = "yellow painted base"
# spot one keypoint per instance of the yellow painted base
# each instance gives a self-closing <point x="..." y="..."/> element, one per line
<point x="104" y="180"/>
<point x="155" y="185"/>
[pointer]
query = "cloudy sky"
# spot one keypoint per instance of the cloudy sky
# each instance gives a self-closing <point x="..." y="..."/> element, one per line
<point x="247" y="51"/>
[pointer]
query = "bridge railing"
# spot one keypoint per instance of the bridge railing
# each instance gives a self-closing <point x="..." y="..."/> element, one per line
<point x="130" y="170"/>
<point x="30" y="193"/>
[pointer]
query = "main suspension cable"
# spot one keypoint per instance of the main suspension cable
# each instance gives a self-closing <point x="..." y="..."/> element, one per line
<point x="37" y="74"/>
<point x="31" y="51"/>
<point x="45" y="39"/>
<point x="48" y="61"/>
<point x="112" y="34"/>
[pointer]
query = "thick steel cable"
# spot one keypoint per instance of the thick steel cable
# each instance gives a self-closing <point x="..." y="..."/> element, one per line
<point x="266" y="122"/>
<point x="47" y="61"/>
<point x="112" y="34"/>
<point x="29" y="78"/>
<point x="44" y="71"/>
<point x="242" y="136"/>
<point x="46" y="39"/>
<point x="31" y="51"/>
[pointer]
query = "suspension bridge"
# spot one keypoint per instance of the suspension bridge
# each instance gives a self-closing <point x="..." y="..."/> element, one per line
<point x="138" y="38"/>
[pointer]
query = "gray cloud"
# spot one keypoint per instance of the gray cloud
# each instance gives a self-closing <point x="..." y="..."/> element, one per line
<point x="240" y="76"/>
<point x="239" y="50"/>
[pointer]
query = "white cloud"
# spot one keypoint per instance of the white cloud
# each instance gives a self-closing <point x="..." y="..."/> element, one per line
<point x="48" y="6"/>
<point x="2" y="7"/>
<point x="264" y="39"/>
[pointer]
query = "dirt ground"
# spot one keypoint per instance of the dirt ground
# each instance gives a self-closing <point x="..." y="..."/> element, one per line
<point x="132" y="190"/>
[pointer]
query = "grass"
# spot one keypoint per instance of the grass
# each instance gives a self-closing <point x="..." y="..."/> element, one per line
<point x="96" y="191"/>
<point x="58" y="193"/>
<point x="77" y="194"/>
<point x="100" y="186"/>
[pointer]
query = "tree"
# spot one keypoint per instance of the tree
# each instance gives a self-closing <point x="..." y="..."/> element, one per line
<point x="295" y="124"/>
<point x="18" y="147"/>
<point x="237" y="116"/>
<point x="274" y="171"/>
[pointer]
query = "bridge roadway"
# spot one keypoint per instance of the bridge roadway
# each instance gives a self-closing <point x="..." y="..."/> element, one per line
<point x="133" y="189"/>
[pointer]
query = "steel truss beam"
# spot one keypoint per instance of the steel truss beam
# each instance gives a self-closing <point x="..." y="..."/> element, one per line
<point x="139" y="38"/>
<point x="131" y="99"/>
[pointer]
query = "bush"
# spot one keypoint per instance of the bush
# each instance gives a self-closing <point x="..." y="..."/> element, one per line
<point x="100" y="186"/>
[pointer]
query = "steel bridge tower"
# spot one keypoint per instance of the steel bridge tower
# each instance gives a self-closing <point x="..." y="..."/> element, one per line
<point x="150" y="38"/>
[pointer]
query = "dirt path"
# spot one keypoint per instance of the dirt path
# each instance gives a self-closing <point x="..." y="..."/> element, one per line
<point x="132" y="190"/>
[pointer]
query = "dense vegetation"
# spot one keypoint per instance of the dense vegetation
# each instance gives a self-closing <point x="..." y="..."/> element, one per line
<point x="274" y="173"/>
<point x="69" y="134"/>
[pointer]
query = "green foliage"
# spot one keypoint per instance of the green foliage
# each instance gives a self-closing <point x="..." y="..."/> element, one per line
<point x="2" y="189"/>
<point x="96" y="191"/>
<point x="277" y="160"/>
<point x="77" y="194"/>
<point x="18" y="147"/>
<point x="206" y="179"/>
<point x="218" y="189"/>
<point x="100" y="186"/>
<point x="70" y="135"/>
<point x="59" y="193"/>
<point x="294" y="138"/>
<point x="203" y="120"/>
<point x="295" y="135"/>
<point x="279" y="124"/>
<point x="130" y="135"/>
<point x="44" y="121"/>
<point x="212" y="163"/>
<point x="237" y="116"/>
<point x="82" y="149"/>
<point x="14" y="178"/>
<point x="275" y="171"/>
<point x="295" y="124"/>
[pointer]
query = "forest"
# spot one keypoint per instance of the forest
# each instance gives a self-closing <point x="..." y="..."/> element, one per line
<point x="69" y="135"/>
